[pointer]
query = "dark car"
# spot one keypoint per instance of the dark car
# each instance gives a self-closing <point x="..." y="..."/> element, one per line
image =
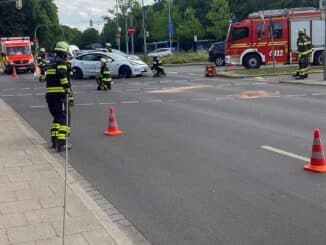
<point x="216" y="53"/>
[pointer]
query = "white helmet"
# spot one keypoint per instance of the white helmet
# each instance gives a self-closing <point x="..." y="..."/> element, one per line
<point x="42" y="49"/>
<point x="103" y="60"/>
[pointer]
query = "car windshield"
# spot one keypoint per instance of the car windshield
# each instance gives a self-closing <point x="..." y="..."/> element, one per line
<point x="18" y="50"/>
<point x="116" y="51"/>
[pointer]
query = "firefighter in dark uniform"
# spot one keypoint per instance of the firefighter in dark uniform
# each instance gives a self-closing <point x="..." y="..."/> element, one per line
<point x="41" y="62"/>
<point x="57" y="89"/>
<point x="304" y="52"/>
<point x="104" y="80"/>
<point x="157" y="67"/>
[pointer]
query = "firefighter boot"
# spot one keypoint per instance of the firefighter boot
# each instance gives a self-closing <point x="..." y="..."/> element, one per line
<point x="54" y="142"/>
<point x="62" y="147"/>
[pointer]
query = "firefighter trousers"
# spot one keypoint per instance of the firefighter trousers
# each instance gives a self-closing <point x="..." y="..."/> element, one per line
<point x="304" y="66"/>
<point x="58" y="110"/>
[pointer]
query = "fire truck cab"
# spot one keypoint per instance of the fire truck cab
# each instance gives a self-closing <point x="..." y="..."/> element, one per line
<point x="16" y="51"/>
<point x="270" y="36"/>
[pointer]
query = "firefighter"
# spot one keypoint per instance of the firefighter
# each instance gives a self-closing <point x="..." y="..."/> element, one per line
<point x="70" y="75"/>
<point x="304" y="52"/>
<point x="57" y="89"/>
<point x="41" y="62"/>
<point x="109" y="47"/>
<point x="157" y="67"/>
<point x="104" y="80"/>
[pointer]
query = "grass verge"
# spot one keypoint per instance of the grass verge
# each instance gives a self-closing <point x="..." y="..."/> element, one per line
<point x="270" y="71"/>
<point x="181" y="58"/>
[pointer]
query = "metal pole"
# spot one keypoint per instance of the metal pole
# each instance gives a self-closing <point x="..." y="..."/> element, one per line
<point x="35" y="39"/>
<point x="126" y="33"/>
<point x="132" y="36"/>
<point x="170" y="36"/>
<point x="144" y="28"/>
<point x="66" y="169"/>
<point x="118" y="27"/>
<point x="325" y="47"/>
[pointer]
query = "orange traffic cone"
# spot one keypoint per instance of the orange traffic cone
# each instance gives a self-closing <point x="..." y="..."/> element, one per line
<point x="318" y="161"/>
<point x="14" y="73"/>
<point x="113" y="128"/>
<point x="37" y="71"/>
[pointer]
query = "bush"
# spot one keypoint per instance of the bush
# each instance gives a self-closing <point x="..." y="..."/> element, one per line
<point x="181" y="58"/>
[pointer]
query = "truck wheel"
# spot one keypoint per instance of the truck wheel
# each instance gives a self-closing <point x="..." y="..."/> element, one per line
<point x="319" y="58"/>
<point x="219" y="60"/>
<point x="77" y="73"/>
<point x="252" y="61"/>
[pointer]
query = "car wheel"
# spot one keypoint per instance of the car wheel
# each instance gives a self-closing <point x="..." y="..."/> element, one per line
<point x="219" y="61"/>
<point x="252" y="61"/>
<point x="124" y="72"/>
<point x="319" y="58"/>
<point x="77" y="73"/>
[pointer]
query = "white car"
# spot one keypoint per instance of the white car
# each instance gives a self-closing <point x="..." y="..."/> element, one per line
<point x="88" y="65"/>
<point x="161" y="52"/>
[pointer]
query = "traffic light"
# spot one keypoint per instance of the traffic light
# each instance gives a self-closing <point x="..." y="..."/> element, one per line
<point x="19" y="4"/>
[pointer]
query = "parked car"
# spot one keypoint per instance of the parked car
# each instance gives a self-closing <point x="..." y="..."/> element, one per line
<point x="216" y="53"/>
<point x="129" y="56"/>
<point x="161" y="52"/>
<point x="88" y="65"/>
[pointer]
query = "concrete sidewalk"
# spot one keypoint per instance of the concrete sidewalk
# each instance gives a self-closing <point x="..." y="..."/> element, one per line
<point x="31" y="195"/>
<point x="313" y="79"/>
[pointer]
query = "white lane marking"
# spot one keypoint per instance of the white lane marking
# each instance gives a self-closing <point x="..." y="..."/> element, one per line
<point x="172" y="72"/>
<point x="24" y="94"/>
<point x="167" y="81"/>
<point x="152" y="101"/>
<point x="176" y="100"/>
<point x="132" y="89"/>
<point x="285" y="153"/>
<point x="25" y="88"/>
<point x="194" y="74"/>
<point x="296" y="95"/>
<point x="37" y="106"/>
<point x="262" y="83"/>
<point x="319" y="94"/>
<point x="149" y="83"/>
<point x="106" y="103"/>
<point x="7" y="95"/>
<point x="7" y="89"/>
<point x="85" y="104"/>
<point x="40" y="94"/>
<point x="130" y="102"/>
<point x="200" y="99"/>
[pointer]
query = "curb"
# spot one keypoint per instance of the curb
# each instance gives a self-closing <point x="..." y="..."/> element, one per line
<point x="120" y="229"/>
<point x="308" y="82"/>
<point x="187" y="64"/>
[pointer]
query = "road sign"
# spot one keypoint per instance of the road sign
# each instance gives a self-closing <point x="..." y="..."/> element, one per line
<point x="131" y="30"/>
<point x="170" y="26"/>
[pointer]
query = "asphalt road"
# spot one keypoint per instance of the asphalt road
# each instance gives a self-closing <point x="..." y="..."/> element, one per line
<point x="190" y="167"/>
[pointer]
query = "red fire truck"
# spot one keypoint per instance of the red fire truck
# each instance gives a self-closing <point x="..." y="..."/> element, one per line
<point x="16" y="51"/>
<point x="253" y="41"/>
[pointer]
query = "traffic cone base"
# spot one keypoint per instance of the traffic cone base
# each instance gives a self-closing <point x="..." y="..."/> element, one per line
<point x="317" y="161"/>
<point x="113" y="128"/>
<point x="14" y="73"/>
<point x="112" y="133"/>
<point x="315" y="168"/>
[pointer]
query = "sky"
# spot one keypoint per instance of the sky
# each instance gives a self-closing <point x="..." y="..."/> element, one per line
<point x="77" y="13"/>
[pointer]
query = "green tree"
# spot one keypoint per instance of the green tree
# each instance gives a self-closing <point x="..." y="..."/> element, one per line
<point x="72" y="35"/>
<point x="89" y="36"/>
<point x="219" y="17"/>
<point x="188" y="28"/>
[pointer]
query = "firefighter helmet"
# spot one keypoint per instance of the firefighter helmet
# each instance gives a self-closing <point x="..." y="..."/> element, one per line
<point x="301" y="31"/>
<point x="61" y="47"/>
<point x="42" y="50"/>
<point x="103" y="60"/>
<point x="109" y="45"/>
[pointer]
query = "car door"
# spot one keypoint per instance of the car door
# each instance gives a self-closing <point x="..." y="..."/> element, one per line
<point x="113" y="65"/>
<point x="87" y="64"/>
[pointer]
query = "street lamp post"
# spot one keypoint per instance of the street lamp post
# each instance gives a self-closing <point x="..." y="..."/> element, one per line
<point x="144" y="28"/>
<point x="35" y="39"/>
<point x="170" y="24"/>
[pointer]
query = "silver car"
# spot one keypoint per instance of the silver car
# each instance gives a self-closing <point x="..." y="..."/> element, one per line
<point x="88" y="65"/>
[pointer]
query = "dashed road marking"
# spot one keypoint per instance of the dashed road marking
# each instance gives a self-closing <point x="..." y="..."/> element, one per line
<point x="201" y="99"/>
<point x="8" y="89"/>
<point x="152" y="101"/>
<point x="133" y="89"/>
<point x="130" y="102"/>
<point x="296" y="95"/>
<point x="38" y="106"/>
<point x="85" y="104"/>
<point x="107" y="103"/>
<point x="285" y="153"/>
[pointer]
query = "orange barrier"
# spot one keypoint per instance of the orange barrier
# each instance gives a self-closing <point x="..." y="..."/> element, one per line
<point x="317" y="162"/>
<point x="14" y="73"/>
<point x="210" y="71"/>
<point x="113" y="128"/>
